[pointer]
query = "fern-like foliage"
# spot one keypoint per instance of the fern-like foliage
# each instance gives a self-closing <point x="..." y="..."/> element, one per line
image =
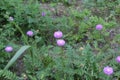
<point x="7" y="75"/>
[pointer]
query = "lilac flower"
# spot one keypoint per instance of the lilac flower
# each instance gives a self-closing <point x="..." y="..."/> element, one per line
<point x="60" y="42"/>
<point x="43" y="14"/>
<point x="58" y="34"/>
<point x="118" y="59"/>
<point x="11" y="18"/>
<point x="8" y="49"/>
<point x="99" y="27"/>
<point x="108" y="70"/>
<point x="30" y="33"/>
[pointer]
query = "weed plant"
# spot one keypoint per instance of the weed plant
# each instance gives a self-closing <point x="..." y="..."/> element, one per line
<point x="76" y="45"/>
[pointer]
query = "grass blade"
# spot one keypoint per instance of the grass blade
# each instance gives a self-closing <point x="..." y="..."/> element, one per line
<point x="16" y="56"/>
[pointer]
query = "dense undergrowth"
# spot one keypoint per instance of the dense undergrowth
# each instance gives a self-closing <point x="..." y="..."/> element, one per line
<point x="59" y="40"/>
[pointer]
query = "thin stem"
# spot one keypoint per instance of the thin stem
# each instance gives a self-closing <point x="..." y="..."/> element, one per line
<point x="108" y="78"/>
<point x="25" y="39"/>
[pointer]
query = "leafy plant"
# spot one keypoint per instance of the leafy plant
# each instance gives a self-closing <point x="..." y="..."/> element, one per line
<point x="59" y="63"/>
<point x="7" y="75"/>
<point x="87" y="49"/>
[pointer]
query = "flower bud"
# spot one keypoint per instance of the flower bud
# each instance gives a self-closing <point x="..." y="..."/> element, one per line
<point x="58" y="34"/>
<point x="60" y="42"/>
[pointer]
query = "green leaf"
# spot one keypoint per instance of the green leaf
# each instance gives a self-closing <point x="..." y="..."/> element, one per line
<point x="16" y="56"/>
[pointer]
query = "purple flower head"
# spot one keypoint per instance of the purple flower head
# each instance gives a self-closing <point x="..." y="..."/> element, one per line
<point x="99" y="27"/>
<point x="58" y="34"/>
<point x="8" y="49"/>
<point x="30" y="33"/>
<point x="43" y="14"/>
<point x="108" y="70"/>
<point x="11" y="18"/>
<point x="60" y="42"/>
<point x="118" y="59"/>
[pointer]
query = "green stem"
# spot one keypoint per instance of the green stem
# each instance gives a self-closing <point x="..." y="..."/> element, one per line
<point x="25" y="39"/>
<point x="108" y="78"/>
